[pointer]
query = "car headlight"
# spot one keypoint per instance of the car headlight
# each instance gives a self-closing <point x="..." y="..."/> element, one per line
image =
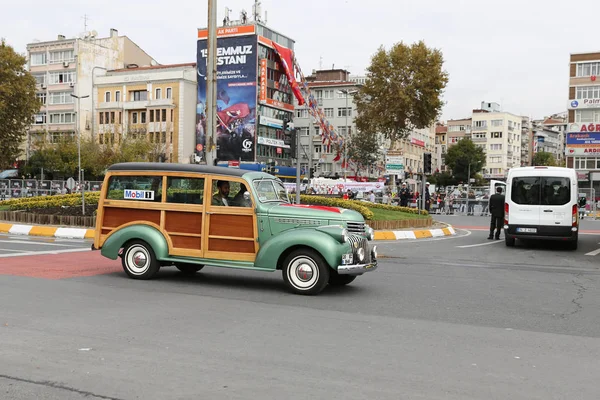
<point x="371" y="234"/>
<point x="374" y="252"/>
<point x="360" y="253"/>
<point x="345" y="236"/>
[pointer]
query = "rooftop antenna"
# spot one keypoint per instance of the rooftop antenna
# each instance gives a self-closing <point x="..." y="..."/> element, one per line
<point x="226" y="20"/>
<point x="256" y="10"/>
<point x="321" y="62"/>
<point x="85" y="22"/>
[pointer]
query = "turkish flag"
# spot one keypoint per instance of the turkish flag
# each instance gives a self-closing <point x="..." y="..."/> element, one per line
<point x="236" y="111"/>
<point x="286" y="56"/>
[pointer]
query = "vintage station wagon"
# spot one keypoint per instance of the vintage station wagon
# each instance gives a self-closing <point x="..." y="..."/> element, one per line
<point x="155" y="215"/>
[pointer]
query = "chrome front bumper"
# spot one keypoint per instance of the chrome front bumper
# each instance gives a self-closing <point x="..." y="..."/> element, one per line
<point x="357" y="269"/>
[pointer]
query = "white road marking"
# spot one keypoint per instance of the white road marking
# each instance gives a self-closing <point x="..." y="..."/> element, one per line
<point x="14" y="250"/>
<point x="37" y="253"/>
<point x="417" y="241"/>
<point x="36" y="243"/>
<point x="480" y="244"/>
<point x="593" y="253"/>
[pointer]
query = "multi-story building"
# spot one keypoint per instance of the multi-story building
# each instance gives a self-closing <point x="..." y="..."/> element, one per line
<point x="254" y="96"/>
<point x="419" y="141"/>
<point x="157" y="103"/>
<point x="458" y="129"/>
<point x="334" y="93"/>
<point x="499" y="134"/>
<point x="441" y="147"/>
<point x="549" y="136"/>
<point x="64" y="68"/>
<point x="583" y="132"/>
<point x="526" y="141"/>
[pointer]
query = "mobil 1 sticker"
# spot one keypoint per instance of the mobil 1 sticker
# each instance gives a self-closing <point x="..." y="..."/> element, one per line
<point x="139" y="195"/>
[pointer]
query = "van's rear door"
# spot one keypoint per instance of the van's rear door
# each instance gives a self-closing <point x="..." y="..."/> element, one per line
<point x="524" y="206"/>
<point x="556" y="209"/>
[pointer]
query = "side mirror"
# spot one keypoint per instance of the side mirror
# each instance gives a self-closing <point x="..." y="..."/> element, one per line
<point x="246" y="195"/>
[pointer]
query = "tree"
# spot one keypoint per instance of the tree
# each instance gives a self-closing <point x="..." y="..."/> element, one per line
<point x="442" y="179"/>
<point x="462" y="154"/>
<point x="402" y="90"/>
<point x="18" y="103"/>
<point x="544" y="158"/>
<point x="362" y="148"/>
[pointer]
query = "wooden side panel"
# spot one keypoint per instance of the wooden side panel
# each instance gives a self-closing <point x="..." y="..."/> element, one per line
<point x="233" y="246"/>
<point x="232" y="225"/>
<point x="183" y="222"/>
<point x="114" y="217"/>
<point x="186" y="242"/>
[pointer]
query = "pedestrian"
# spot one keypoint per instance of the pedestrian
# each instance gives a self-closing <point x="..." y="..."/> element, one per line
<point x="427" y="197"/>
<point x="496" y="206"/>
<point x="404" y="195"/>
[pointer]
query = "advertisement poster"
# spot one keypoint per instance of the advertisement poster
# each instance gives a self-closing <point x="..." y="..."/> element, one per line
<point x="583" y="139"/>
<point x="236" y="98"/>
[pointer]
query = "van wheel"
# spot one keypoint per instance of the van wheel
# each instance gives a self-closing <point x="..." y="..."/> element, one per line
<point x="336" y="279"/>
<point x="573" y="244"/>
<point x="139" y="261"/>
<point x="510" y="242"/>
<point x="189" y="269"/>
<point x="305" y="272"/>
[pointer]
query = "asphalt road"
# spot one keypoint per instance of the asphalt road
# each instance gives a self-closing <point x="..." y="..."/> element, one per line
<point x="447" y="318"/>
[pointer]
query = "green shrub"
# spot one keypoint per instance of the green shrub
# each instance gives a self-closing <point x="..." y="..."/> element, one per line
<point x="392" y="208"/>
<point x="66" y="200"/>
<point x="337" y="202"/>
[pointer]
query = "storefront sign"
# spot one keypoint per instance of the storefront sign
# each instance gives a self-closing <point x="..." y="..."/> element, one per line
<point x="272" y="122"/>
<point x="577" y="128"/>
<point x="263" y="80"/>
<point x="583" y="139"/>
<point x="417" y="142"/>
<point x="272" y="142"/>
<point x="584" y="103"/>
<point x="583" y="151"/>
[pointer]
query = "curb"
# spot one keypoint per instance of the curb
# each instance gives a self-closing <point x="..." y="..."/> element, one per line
<point x="415" y="234"/>
<point x="47" y="231"/>
<point x="82" y="233"/>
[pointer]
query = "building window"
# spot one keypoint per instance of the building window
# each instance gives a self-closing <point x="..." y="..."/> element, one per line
<point x="328" y="94"/>
<point x="61" y="98"/>
<point x="302" y="113"/>
<point x="304" y="131"/>
<point x="151" y="112"/>
<point x="40" y="79"/>
<point x="38" y="58"/>
<point x="57" y="78"/>
<point x="39" y="119"/>
<point x="480" y="124"/>
<point x="112" y="117"/>
<point x="164" y="116"/>
<point x="57" y="57"/>
<point x="62" y="118"/>
<point x="41" y="97"/>
<point x="587" y="92"/>
<point x="138" y="95"/>
<point x="134" y="118"/>
<point x="318" y="94"/>
<point x="588" y="69"/>
<point x="143" y="117"/>
<point x="496" y="146"/>
<point x="496" y="135"/>
<point x="583" y="116"/>
<point x="172" y="115"/>
<point x="158" y="93"/>
<point x="118" y="96"/>
<point x="120" y="117"/>
<point x="477" y="136"/>
<point x="345" y="112"/>
<point x="107" y="96"/>
<point x="328" y="112"/>
<point x="497" y="122"/>
<point x="169" y="93"/>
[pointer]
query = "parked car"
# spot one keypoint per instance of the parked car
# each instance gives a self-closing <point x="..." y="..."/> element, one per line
<point x="155" y="215"/>
<point x="9" y="174"/>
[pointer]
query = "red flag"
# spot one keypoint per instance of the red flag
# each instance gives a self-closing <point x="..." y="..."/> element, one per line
<point x="286" y="56"/>
<point x="236" y="111"/>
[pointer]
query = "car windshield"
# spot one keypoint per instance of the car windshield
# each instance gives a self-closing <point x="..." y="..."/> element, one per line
<point x="269" y="190"/>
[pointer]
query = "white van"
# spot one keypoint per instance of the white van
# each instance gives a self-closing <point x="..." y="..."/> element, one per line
<point x="541" y="204"/>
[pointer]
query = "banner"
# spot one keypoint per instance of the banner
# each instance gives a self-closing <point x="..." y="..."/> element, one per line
<point x="287" y="61"/>
<point x="263" y="80"/>
<point x="583" y="139"/>
<point x="236" y="98"/>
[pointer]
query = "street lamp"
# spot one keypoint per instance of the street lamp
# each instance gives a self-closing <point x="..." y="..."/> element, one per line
<point x="347" y="93"/>
<point x="79" y="150"/>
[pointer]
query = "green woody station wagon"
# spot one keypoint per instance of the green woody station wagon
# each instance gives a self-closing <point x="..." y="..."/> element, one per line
<point x="156" y="215"/>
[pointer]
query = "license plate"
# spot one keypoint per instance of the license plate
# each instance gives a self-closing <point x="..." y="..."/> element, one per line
<point x="527" y="230"/>
<point x="347" y="259"/>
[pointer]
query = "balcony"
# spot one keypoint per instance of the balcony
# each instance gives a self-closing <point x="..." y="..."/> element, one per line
<point x="479" y="129"/>
<point x="110" y="105"/>
<point x="479" y="139"/>
<point x="161" y="103"/>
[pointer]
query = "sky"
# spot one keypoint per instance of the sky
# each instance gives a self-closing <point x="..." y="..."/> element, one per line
<point x="513" y="52"/>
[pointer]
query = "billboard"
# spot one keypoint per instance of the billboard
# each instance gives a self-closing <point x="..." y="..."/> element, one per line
<point x="236" y="97"/>
<point x="583" y="139"/>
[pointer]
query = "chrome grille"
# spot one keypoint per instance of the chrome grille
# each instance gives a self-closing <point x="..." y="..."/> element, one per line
<point x="356" y="227"/>
<point x="362" y="242"/>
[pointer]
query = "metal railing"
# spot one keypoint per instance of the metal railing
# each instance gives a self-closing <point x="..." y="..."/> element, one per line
<point x="19" y="188"/>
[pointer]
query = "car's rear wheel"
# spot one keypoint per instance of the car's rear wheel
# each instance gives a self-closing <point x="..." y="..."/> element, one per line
<point x="305" y="272"/>
<point x="572" y="245"/>
<point x="139" y="260"/>
<point x="189" y="269"/>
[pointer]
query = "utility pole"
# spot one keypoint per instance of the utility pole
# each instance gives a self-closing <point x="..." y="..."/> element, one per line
<point x="211" y="83"/>
<point x="80" y="171"/>
<point x="297" y="168"/>
<point x="469" y="186"/>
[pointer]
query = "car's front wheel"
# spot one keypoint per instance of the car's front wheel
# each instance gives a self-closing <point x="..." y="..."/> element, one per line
<point x="305" y="272"/>
<point x="139" y="260"/>
<point x="336" y="279"/>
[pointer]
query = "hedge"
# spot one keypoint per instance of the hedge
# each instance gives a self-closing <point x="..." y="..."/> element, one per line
<point x="407" y="210"/>
<point x="66" y="200"/>
<point x="337" y="202"/>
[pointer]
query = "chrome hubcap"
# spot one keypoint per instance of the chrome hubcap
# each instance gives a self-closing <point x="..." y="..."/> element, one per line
<point x="139" y="259"/>
<point x="304" y="272"/>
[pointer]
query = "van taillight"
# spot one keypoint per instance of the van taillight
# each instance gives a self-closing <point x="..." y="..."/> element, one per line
<point x="575" y="214"/>
<point x="505" y="213"/>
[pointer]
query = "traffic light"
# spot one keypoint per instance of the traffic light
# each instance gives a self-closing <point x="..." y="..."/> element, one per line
<point x="312" y="173"/>
<point x="293" y="144"/>
<point x="427" y="163"/>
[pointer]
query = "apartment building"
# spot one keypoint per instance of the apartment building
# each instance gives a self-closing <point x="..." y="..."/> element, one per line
<point x="334" y="93"/>
<point x="64" y="68"/>
<point x="499" y="134"/>
<point x="157" y="103"/>
<point x="441" y="147"/>
<point x="583" y="129"/>
<point x="548" y="135"/>
<point x="458" y="129"/>
<point x="526" y="141"/>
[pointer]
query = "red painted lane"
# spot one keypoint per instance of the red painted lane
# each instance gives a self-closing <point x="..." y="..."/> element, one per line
<point x="59" y="266"/>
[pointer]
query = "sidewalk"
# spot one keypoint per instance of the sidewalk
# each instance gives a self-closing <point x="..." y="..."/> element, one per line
<point x="83" y="233"/>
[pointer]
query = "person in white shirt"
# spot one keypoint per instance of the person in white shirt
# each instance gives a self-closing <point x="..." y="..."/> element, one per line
<point x="372" y="197"/>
